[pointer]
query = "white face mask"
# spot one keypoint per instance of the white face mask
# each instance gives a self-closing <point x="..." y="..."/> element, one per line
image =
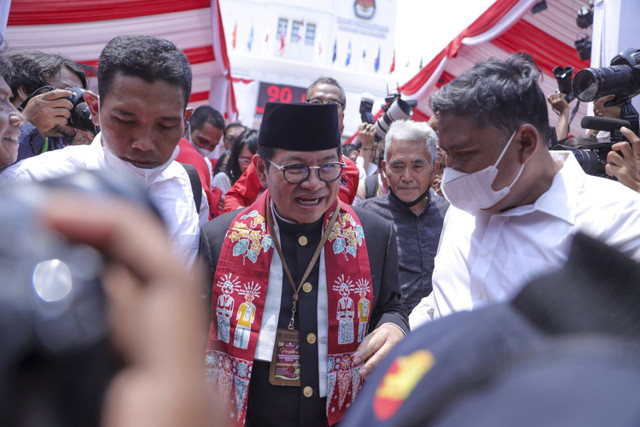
<point x="144" y="176"/>
<point x="202" y="151"/>
<point x="472" y="191"/>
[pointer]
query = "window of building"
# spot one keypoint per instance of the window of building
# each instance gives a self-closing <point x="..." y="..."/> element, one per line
<point x="295" y="31"/>
<point x="282" y="26"/>
<point x="310" y="34"/>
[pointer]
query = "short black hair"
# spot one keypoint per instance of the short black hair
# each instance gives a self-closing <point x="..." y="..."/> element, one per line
<point x="329" y="81"/>
<point x="497" y="93"/>
<point x="248" y="138"/>
<point x="148" y="57"/>
<point x="206" y="114"/>
<point x="33" y="69"/>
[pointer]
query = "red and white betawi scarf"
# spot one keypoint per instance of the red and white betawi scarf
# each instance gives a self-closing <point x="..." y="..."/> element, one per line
<point x="238" y="300"/>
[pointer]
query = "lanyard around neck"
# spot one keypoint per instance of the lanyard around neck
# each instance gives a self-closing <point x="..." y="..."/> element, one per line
<point x="313" y="261"/>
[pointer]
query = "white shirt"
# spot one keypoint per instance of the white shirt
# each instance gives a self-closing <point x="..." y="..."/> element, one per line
<point x="371" y="168"/>
<point x="484" y="258"/>
<point x="221" y="180"/>
<point x="169" y="188"/>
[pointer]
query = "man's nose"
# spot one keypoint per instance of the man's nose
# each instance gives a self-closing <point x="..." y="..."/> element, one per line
<point x="15" y="117"/>
<point x="313" y="182"/>
<point x="143" y="142"/>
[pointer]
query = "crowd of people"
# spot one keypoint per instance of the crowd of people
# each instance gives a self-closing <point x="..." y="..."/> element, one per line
<point x="289" y="270"/>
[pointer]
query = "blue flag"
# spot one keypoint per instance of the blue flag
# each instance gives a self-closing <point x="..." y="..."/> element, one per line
<point x="250" y="41"/>
<point x="348" y="61"/>
<point x="376" y="63"/>
<point x="335" y="51"/>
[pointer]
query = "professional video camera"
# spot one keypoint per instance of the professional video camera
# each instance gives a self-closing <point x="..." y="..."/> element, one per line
<point x="592" y="154"/>
<point x="621" y="79"/>
<point x="80" y="117"/>
<point x="394" y="108"/>
<point x="56" y="361"/>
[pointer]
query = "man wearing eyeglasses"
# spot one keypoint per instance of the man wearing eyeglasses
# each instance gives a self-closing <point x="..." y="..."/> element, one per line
<point x="305" y="298"/>
<point x="324" y="90"/>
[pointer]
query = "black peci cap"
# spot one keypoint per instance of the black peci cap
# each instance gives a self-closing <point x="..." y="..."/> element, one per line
<point x="300" y="127"/>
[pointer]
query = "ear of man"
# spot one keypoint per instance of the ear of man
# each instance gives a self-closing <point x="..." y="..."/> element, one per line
<point x="93" y="101"/>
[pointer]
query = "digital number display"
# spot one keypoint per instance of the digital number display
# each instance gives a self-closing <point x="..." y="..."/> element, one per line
<point x="272" y="92"/>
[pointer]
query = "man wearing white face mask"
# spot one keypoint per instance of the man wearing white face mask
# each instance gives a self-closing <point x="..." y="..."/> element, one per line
<point x="144" y="84"/>
<point x="515" y="206"/>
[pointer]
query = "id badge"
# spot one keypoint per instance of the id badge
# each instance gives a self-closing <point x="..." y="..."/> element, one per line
<point x="285" y="365"/>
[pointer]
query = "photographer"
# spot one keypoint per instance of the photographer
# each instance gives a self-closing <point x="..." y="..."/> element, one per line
<point x="47" y="113"/>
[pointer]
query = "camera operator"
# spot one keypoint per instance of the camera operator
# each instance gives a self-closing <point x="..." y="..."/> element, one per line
<point x="47" y="113"/>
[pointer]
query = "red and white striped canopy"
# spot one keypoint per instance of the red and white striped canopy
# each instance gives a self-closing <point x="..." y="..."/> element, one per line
<point x="79" y="29"/>
<point x="506" y="27"/>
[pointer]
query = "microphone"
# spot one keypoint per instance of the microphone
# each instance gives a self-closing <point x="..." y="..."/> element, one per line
<point x="603" y="123"/>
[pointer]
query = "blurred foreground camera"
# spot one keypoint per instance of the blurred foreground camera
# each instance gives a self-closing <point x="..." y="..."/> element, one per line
<point x="56" y="361"/>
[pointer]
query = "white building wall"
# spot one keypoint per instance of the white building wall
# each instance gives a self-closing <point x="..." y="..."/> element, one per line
<point x="299" y="64"/>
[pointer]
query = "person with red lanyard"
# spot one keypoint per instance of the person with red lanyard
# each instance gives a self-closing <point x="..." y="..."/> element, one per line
<point x="287" y="276"/>
<point x="324" y="90"/>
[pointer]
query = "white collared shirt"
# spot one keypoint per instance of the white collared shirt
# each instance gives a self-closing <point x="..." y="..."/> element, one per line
<point x="485" y="258"/>
<point x="170" y="189"/>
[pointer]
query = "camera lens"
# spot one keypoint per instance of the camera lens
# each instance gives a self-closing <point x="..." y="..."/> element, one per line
<point x="592" y="83"/>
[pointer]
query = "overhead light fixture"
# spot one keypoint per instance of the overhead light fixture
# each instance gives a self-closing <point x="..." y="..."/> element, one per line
<point x="539" y="7"/>
<point x="583" y="47"/>
<point x="585" y="16"/>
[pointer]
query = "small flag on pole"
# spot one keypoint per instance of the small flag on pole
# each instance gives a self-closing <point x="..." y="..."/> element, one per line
<point x="282" y="43"/>
<point x="250" y="41"/>
<point x="393" y="63"/>
<point x="376" y="62"/>
<point x="335" y="51"/>
<point x="348" y="60"/>
<point x="234" y="34"/>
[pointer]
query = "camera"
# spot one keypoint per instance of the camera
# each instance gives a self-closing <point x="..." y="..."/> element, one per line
<point x="592" y="154"/>
<point x="56" y="360"/>
<point x="394" y="109"/>
<point x="564" y="77"/>
<point x="80" y="115"/>
<point x="621" y="79"/>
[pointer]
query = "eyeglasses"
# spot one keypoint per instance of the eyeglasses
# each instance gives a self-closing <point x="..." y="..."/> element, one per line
<point x="318" y="101"/>
<point x="297" y="173"/>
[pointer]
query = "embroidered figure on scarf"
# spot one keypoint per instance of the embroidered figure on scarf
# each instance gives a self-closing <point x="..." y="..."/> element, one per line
<point x="225" y="305"/>
<point x="346" y="310"/>
<point x="346" y="235"/>
<point x="364" y="309"/>
<point x="246" y="314"/>
<point x="250" y="239"/>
